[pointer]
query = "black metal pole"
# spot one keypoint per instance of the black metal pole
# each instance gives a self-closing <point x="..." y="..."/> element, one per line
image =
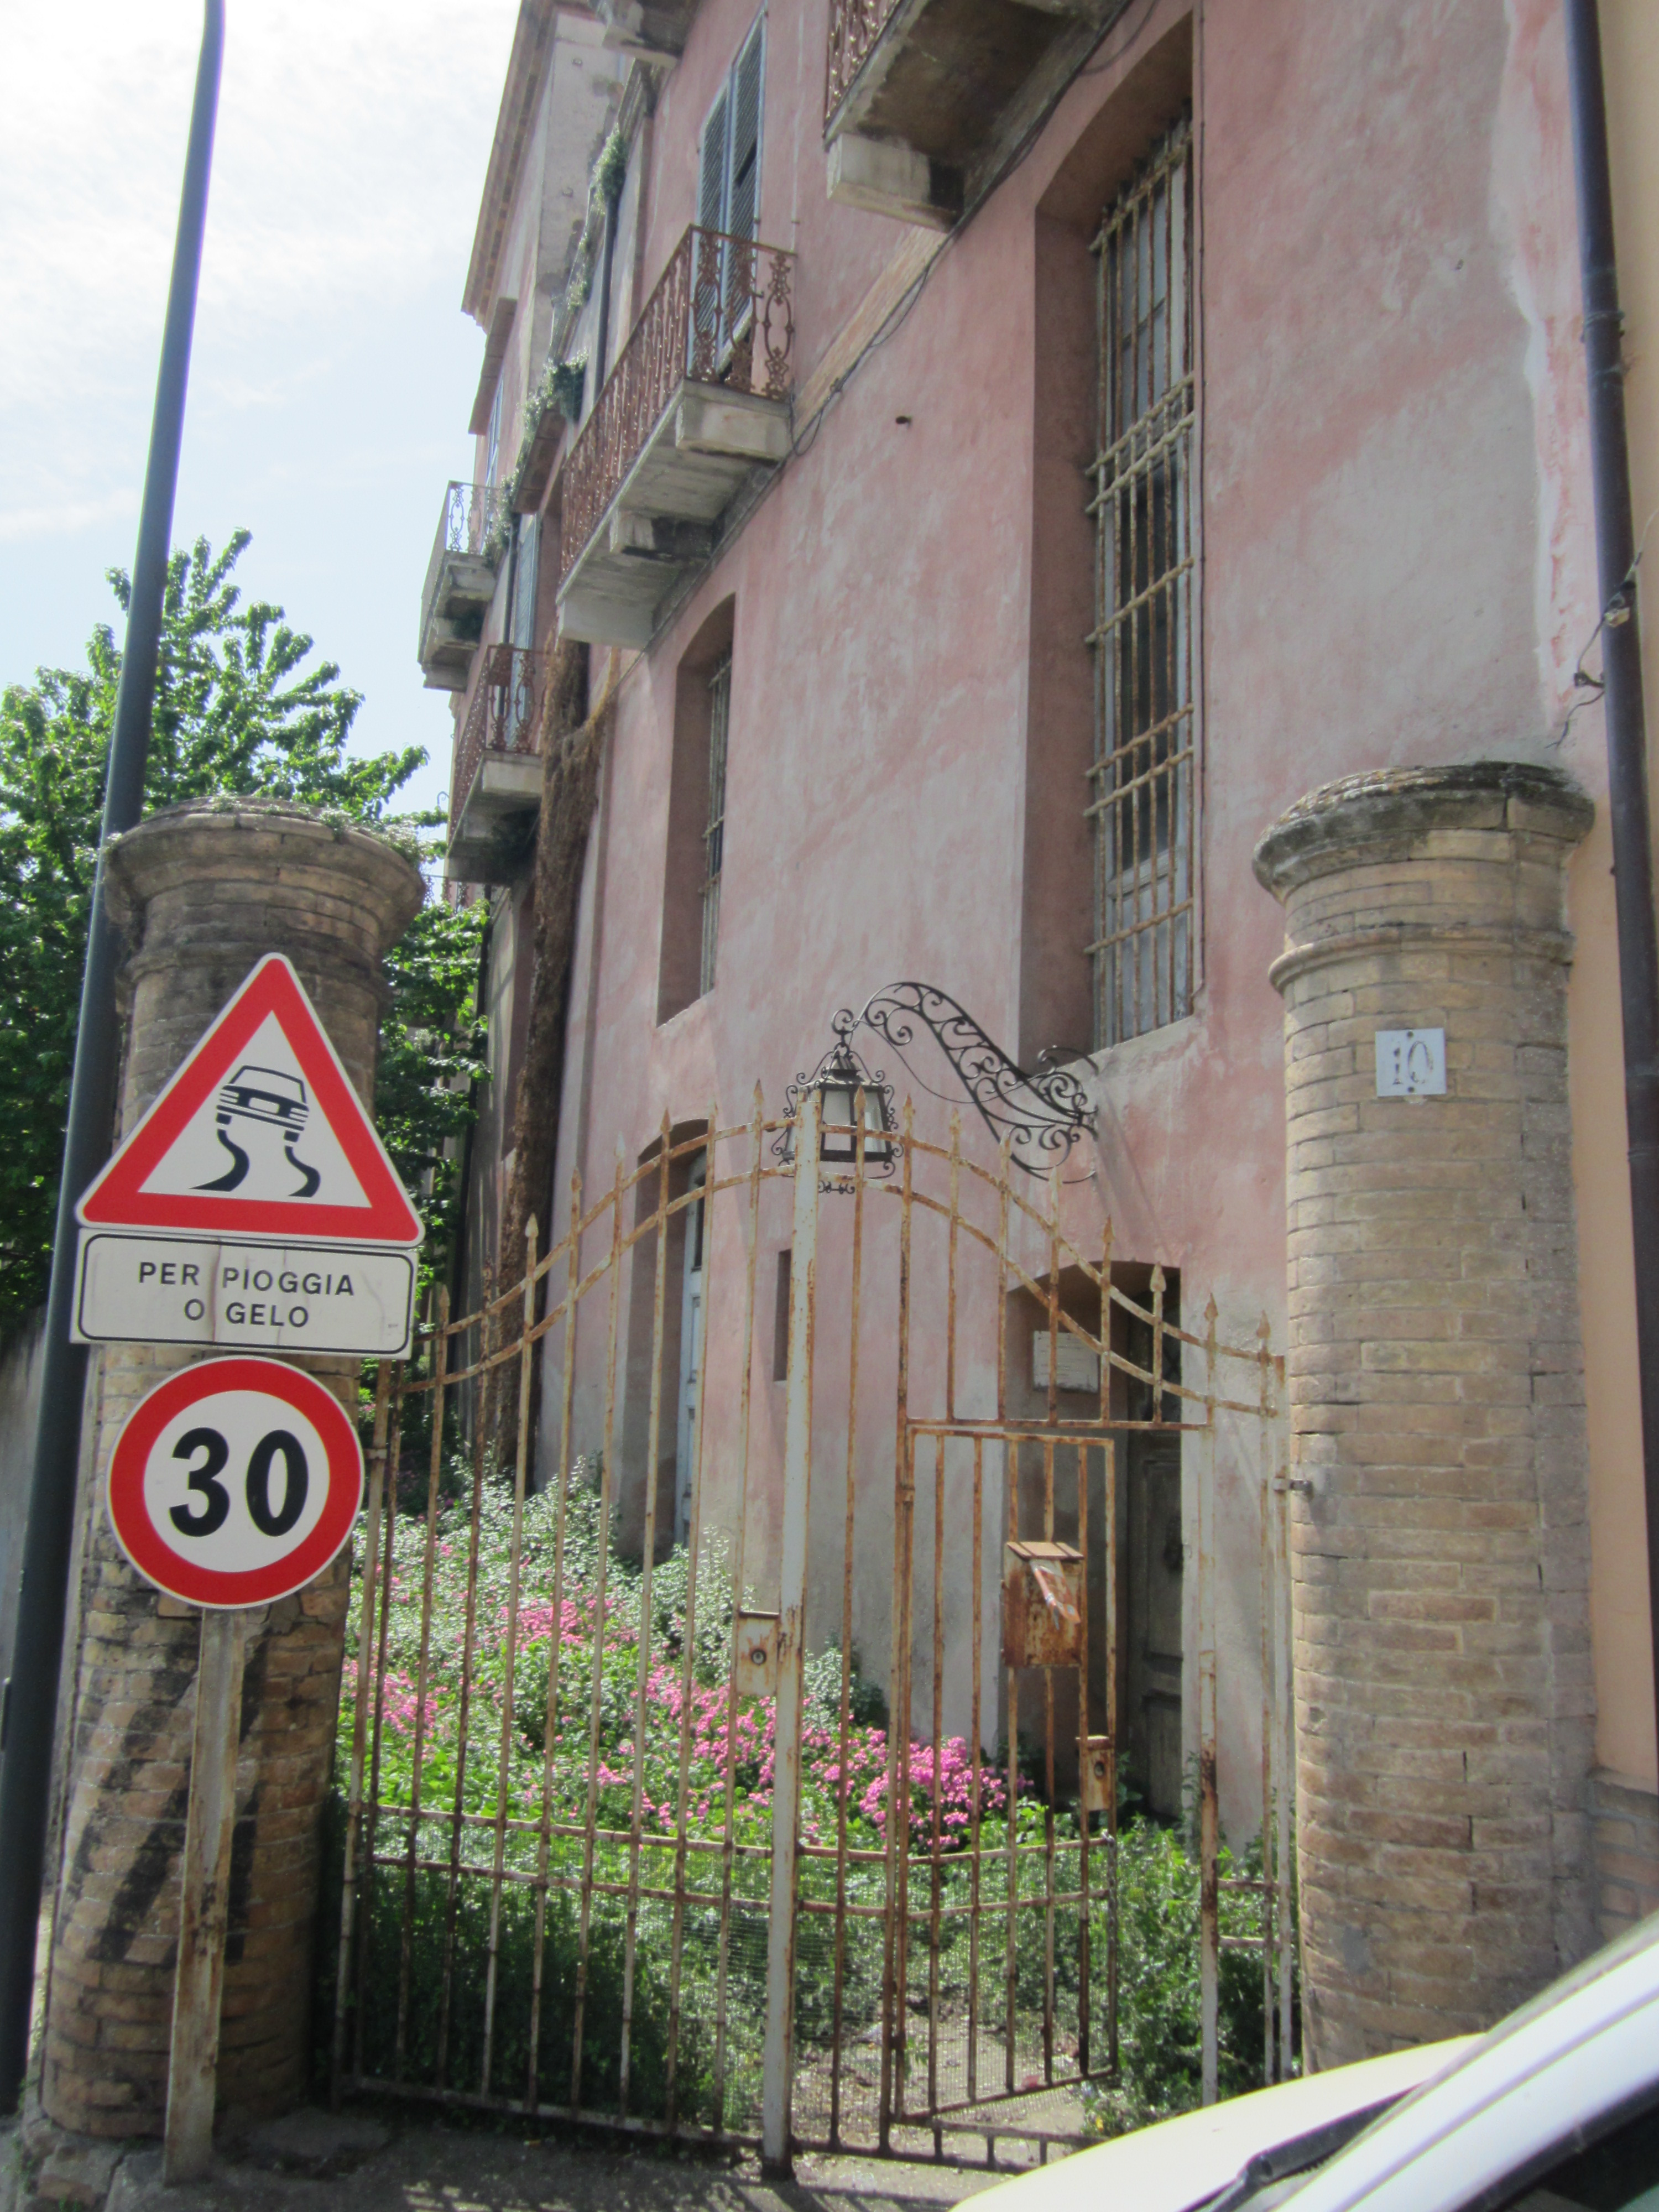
<point x="1626" y="727"/>
<point x="32" y="1708"/>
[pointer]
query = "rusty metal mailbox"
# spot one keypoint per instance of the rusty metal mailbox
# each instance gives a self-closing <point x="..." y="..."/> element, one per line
<point x="1099" y="1775"/>
<point x="757" y="1655"/>
<point x="1041" y="1607"/>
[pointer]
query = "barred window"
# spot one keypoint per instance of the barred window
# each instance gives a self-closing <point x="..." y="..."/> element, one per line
<point x="713" y="835"/>
<point x="1141" y="785"/>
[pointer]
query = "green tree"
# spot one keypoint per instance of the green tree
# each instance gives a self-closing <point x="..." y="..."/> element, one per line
<point x="236" y="710"/>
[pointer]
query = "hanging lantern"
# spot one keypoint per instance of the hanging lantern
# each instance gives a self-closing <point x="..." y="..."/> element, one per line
<point x="840" y="1079"/>
<point x="1038" y="1116"/>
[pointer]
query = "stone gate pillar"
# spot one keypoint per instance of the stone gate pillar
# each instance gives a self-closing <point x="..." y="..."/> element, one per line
<point x="1441" y="1550"/>
<point x="202" y="891"/>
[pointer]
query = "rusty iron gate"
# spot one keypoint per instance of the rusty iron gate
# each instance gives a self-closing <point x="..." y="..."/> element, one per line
<point x="732" y="1721"/>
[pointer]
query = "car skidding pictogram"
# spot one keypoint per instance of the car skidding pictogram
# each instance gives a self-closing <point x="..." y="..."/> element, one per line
<point x="265" y="1098"/>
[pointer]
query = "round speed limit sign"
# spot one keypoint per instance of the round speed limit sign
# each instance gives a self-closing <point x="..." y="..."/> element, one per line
<point x="234" y="1482"/>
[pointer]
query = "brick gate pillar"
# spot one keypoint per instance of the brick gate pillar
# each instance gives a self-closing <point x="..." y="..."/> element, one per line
<point x="202" y="891"/>
<point x="1443" y="1702"/>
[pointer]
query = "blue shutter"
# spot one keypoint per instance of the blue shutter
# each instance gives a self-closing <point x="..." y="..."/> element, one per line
<point x="712" y="166"/>
<point x="748" y="79"/>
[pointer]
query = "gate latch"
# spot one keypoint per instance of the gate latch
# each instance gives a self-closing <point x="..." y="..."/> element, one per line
<point x="1041" y="1612"/>
<point x="757" y="1655"/>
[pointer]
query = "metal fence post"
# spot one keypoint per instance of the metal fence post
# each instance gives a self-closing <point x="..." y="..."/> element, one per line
<point x="194" y="2060"/>
<point x="779" y="2051"/>
<point x="1209" y="1811"/>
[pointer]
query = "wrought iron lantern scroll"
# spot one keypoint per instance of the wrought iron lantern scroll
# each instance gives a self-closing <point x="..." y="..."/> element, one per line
<point x="1040" y="1116"/>
<point x="840" y="1078"/>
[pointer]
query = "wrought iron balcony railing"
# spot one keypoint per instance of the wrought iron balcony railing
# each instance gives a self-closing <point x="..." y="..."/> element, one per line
<point x="722" y="315"/>
<point x="472" y="534"/>
<point x="854" y="26"/>
<point x="505" y="717"/>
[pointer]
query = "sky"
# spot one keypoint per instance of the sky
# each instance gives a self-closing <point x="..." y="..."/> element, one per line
<point x="333" y="371"/>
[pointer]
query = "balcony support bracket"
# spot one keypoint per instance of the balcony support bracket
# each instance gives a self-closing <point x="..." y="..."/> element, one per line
<point x="886" y="177"/>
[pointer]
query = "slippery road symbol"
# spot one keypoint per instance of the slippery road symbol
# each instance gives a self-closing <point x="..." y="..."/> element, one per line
<point x="253" y="1100"/>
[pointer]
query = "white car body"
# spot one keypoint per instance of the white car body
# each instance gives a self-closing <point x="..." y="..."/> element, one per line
<point x="1471" y="2122"/>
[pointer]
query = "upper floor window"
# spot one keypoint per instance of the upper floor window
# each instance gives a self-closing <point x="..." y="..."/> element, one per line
<point x="521" y="612"/>
<point x="695" y="859"/>
<point x="493" y="441"/>
<point x="728" y="163"/>
<point x="1142" y="783"/>
<point x="713" y="835"/>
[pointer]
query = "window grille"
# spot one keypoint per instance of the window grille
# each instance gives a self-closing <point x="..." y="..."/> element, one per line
<point x="1141" y="784"/>
<point x="713" y="837"/>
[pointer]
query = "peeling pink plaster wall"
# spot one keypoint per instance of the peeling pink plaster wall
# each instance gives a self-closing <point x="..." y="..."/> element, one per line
<point x="1394" y="572"/>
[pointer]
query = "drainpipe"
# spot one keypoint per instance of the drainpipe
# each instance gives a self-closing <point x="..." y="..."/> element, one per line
<point x="1626" y="730"/>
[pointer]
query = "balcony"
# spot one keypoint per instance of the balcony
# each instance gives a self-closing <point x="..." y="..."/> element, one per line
<point x="695" y="408"/>
<point x="473" y="534"/>
<point x="925" y="99"/>
<point x="497" y="787"/>
<point x="656" y="29"/>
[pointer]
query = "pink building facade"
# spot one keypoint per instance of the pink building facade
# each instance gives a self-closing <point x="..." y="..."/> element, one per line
<point x="1126" y="424"/>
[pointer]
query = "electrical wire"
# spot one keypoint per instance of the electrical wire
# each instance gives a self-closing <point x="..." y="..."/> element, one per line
<point x="1618" y="609"/>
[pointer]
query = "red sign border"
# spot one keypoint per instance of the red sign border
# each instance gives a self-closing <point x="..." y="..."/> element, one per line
<point x="115" y="1199"/>
<point x="216" y="1588"/>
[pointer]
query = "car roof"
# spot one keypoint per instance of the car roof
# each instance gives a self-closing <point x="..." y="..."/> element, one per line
<point x="1583" y="2008"/>
<point x="1180" y="2162"/>
<point x="247" y="1070"/>
<point x="1431" y="2091"/>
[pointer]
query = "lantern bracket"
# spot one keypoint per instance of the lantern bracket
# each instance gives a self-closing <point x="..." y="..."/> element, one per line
<point x="1041" y="1117"/>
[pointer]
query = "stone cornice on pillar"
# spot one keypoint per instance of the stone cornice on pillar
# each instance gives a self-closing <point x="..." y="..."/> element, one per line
<point x="1512" y="815"/>
<point x="271" y="842"/>
<point x="217" y="882"/>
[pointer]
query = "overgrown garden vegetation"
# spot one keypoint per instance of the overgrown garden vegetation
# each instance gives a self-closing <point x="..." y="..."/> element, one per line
<point x="520" y="1757"/>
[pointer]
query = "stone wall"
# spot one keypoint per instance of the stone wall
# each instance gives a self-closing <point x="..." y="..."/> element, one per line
<point x="1625" y="1850"/>
<point x="204" y="891"/>
<point x="1441" y="1559"/>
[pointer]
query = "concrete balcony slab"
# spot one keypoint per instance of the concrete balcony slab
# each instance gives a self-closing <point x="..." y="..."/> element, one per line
<point x="472" y="534"/>
<point x="704" y="449"/>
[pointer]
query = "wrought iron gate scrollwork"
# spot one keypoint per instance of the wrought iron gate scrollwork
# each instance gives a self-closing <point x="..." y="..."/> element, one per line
<point x="726" y="1798"/>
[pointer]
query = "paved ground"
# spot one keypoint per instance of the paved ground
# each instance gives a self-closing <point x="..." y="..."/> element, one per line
<point x="313" y="2161"/>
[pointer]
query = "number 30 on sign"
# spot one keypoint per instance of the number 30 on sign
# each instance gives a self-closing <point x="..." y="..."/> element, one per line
<point x="234" y="1482"/>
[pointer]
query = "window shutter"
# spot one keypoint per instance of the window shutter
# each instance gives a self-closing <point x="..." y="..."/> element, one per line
<point x="743" y="200"/>
<point x="713" y="162"/>
<point x="712" y="171"/>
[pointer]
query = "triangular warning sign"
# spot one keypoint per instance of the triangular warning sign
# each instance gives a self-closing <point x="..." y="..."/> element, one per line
<point x="258" y="1134"/>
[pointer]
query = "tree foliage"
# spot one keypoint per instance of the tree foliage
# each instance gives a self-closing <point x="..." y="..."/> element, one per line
<point x="237" y="710"/>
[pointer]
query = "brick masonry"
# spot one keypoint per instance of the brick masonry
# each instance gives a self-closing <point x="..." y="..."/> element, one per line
<point x="1444" y="1713"/>
<point x="204" y="891"/>
<point x="1625" y="1845"/>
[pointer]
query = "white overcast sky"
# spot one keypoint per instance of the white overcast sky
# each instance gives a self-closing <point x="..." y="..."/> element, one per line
<point x="333" y="370"/>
